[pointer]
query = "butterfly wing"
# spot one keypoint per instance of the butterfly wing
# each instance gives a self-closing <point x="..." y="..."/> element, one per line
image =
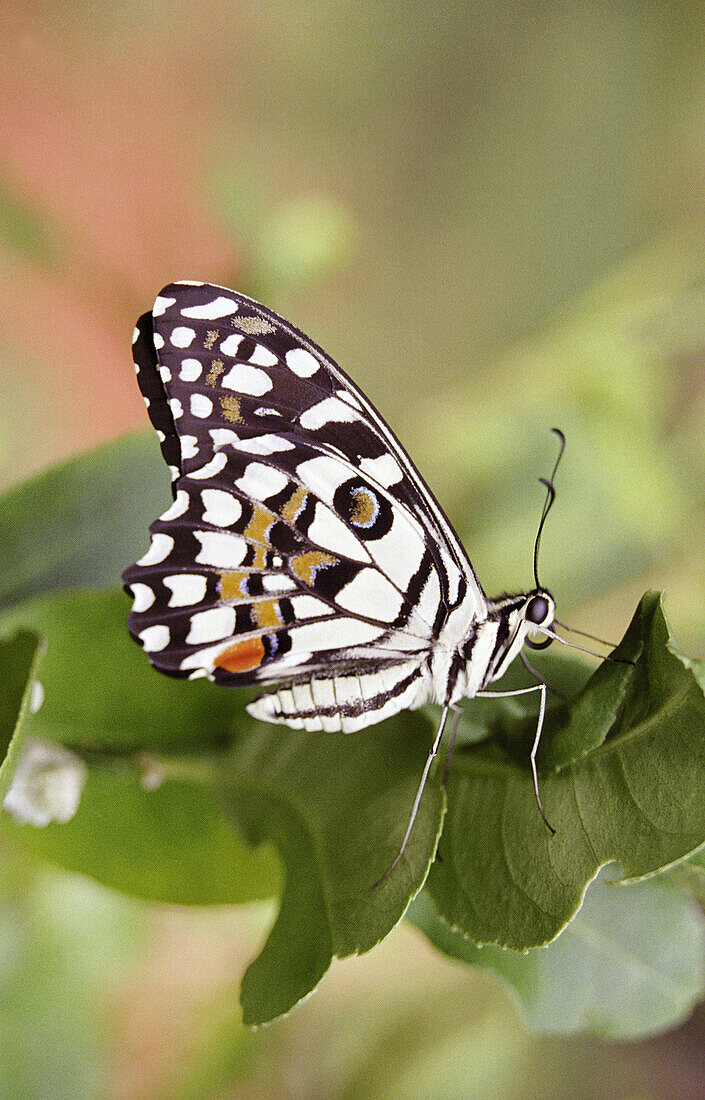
<point x="301" y="542"/>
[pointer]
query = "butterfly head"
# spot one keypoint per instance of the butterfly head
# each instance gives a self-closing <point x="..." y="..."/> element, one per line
<point x="523" y="620"/>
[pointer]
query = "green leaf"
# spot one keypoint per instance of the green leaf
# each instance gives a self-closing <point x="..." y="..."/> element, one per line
<point x="19" y="657"/>
<point x="80" y="524"/>
<point x="638" y="798"/>
<point x="335" y="807"/>
<point x="102" y="698"/>
<point x="628" y="965"/>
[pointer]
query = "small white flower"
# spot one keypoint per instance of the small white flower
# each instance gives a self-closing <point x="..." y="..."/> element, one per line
<point x="47" y="784"/>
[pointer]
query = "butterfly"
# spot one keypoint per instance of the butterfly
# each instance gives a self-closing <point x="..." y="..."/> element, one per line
<point x="303" y="550"/>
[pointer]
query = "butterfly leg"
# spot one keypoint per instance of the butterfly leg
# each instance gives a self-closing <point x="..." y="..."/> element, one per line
<point x="414" y="809"/>
<point x="541" y="688"/>
<point x="451" y="742"/>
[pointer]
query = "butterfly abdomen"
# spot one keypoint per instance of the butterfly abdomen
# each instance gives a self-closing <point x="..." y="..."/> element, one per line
<point x="346" y="703"/>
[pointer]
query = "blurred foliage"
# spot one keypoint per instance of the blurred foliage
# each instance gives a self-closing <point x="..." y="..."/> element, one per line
<point x="63" y="945"/>
<point x="633" y="957"/>
<point x="24" y="230"/>
<point x="292" y="245"/>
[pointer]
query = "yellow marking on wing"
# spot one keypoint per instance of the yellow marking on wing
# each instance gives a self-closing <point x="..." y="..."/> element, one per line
<point x="257" y="529"/>
<point x="211" y="337"/>
<point x="258" y="561"/>
<point x="294" y="505"/>
<point x="253" y="326"/>
<point x="216" y="369"/>
<point x="304" y="566"/>
<point x="231" y="586"/>
<point x="230" y="408"/>
<point x="266" y="613"/>
<point x="364" y="507"/>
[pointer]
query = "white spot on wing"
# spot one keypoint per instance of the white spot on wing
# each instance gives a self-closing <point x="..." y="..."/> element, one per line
<point x="211" y="625"/>
<point x="190" y="370"/>
<point x="398" y="555"/>
<point x="263" y="357"/>
<point x="308" y="607"/>
<point x="385" y="470"/>
<point x="220" y="549"/>
<point x="274" y="582"/>
<point x="323" y="475"/>
<point x="216" y="464"/>
<point x="260" y="481"/>
<point x="221" y="508"/>
<point x="186" y="589"/>
<point x="301" y="362"/>
<point x="211" y="311"/>
<point x="246" y="379"/>
<point x="161" y="305"/>
<point x="222" y="437"/>
<point x="189" y="446"/>
<point x="231" y="343"/>
<point x="334" y="633"/>
<point x="182" y="337"/>
<point x="176" y="408"/>
<point x="201" y="406"/>
<point x="158" y="340"/>
<point x="143" y="596"/>
<point x="328" y="411"/>
<point x="179" y="506"/>
<point x="264" y="444"/>
<point x="155" y="638"/>
<point x="160" y="548"/>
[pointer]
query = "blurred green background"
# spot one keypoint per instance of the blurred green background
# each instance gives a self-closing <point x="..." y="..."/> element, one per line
<point x="493" y="216"/>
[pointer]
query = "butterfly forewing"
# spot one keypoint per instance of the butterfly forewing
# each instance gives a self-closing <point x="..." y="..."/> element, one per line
<point x="301" y="539"/>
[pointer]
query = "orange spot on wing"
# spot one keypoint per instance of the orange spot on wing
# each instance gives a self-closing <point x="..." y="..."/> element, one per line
<point x="241" y="657"/>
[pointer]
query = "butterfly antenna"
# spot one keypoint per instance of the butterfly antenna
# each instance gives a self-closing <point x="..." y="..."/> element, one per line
<point x="584" y="634"/>
<point x="548" y="503"/>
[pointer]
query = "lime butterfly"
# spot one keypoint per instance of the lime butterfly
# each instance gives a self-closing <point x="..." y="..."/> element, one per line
<point x="303" y="551"/>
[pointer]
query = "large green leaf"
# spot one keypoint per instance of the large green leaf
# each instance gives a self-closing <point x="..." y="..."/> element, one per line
<point x="638" y="798"/>
<point x="102" y="697"/>
<point x="335" y="807"/>
<point x="80" y="524"/>
<point x="628" y="965"/>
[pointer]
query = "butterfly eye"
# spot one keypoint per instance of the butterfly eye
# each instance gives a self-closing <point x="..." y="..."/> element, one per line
<point x="537" y="610"/>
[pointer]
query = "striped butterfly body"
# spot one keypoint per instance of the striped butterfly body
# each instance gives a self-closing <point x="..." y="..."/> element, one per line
<point x="303" y="551"/>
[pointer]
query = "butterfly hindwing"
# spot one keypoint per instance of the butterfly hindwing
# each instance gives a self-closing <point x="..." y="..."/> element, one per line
<point x="249" y="572"/>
